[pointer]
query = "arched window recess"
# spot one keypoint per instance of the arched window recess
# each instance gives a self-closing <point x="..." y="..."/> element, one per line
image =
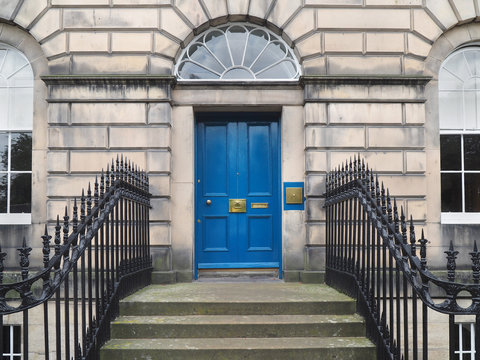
<point x="237" y="51"/>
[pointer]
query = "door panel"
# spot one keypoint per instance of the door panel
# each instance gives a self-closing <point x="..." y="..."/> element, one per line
<point x="237" y="158"/>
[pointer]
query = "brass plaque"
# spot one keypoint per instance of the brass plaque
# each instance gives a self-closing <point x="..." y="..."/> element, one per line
<point x="294" y="195"/>
<point x="237" y="205"/>
<point x="259" y="205"/>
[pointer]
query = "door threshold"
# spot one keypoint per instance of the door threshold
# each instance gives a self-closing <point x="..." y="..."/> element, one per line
<point x="238" y="274"/>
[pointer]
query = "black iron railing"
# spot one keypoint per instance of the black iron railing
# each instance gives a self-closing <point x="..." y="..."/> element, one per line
<point x="372" y="255"/>
<point x="100" y="255"/>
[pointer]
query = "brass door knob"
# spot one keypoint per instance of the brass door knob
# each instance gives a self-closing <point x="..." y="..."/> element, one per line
<point x="209" y="202"/>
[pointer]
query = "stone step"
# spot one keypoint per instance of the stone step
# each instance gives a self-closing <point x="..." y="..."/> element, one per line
<point x="297" y="348"/>
<point x="260" y="298"/>
<point x="251" y="326"/>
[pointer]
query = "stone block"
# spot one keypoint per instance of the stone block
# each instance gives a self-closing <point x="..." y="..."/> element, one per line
<point x="315" y="113"/>
<point x="141" y="2"/>
<point x="465" y="9"/>
<point x="84" y="2"/>
<point x="474" y="30"/>
<point x="314" y="210"/>
<point x="132" y="42"/>
<point x="381" y="161"/>
<point x="316" y="161"/>
<point x="162" y="257"/>
<point x="193" y="12"/>
<point x="159" y="185"/>
<point x="57" y="161"/>
<point x="291" y="275"/>
<point x="159" y="161"/>
<point x="160" y="66"/>
<point x="12" y="35"/>
<point x="110" y="18"/>
<point x="236" y="7"/>
<point x="405" y="185"/>
<point x="58" y="113"/>
<point x="139" y="137"/>
<point x="417" y="46"/>
<point x="67" y="186"/>
<point x="314" y="259"/>
<point x="315" y="185"/>
<point x="159" y="234"/>
<point x="165" y="46"/>
<point x="47" y="25"/>
<point x="183" y="127"/>
<point x="283" y="11"/>
<point x="334" y="2"/>
<point x="413" y="66"/>
<point x="315" y="66"/>
<point x="458" y="36"/>
<point x="88" y="41"/>
<point x="7" y="7"/>
<point x="414" y="113"/>
<point x="94" y="161"/>
<point x="77" y="137"/>
<point x="408" y="3"/>
<point x="108" y="113"/>
<point x="172" y="23"/>
<point x="114" y="64"/>
<point x="59" y="66"/>
<point x="293" y="156"/>
<point x="338" y="65"/>
<point x="56" y="207"/>
<point x="364" y="113"/>
<point x="385" y="42"/>
<point x="316" y="233"/>
<point x="259" y="8"/>
<point x="335" y="137"/>
<point x="416" y="161"/>
<point x="442" y="10"/>
<point x="310" y="45"/>
<point x="417" y="209"/>
<point x="216" y="8"/>
<point x="343" y="42"/>
<point x="397" y="137"/>
<point x="301" y="24"/>
<point x="424" y="25"/>
<point x="160" y="210"/>
<point x="29" y="11"/>
<point x="55" y="46"/>
<point x="330" y="18"/>
<point x="160" y="113"/>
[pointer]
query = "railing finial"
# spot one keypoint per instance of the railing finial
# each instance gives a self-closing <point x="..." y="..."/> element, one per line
<point x="3" y="255"/>
<point x="413" y="247"/>
<point x="451" y="264"/>
<point x="423" y="251"/>
<point x="24" y="261"/>
<point x="475" y="263"/>
<point x="46" y="247"/>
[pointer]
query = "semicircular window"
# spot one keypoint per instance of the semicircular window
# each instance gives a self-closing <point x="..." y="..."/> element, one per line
<point x="237" y="52"/>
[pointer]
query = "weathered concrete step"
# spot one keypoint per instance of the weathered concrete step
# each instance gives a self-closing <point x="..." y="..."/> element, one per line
<point x="297" y="348"/>
<point x="212" y="326"/>
<point x="262" y="298"/>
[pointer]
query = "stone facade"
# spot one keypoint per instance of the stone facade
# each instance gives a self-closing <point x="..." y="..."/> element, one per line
<point x="104" y="86"/>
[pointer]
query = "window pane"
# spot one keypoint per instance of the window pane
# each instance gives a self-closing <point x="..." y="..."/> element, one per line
<point x="201" y="55"/>
<point x="257" y="41"/>
<point x="450" y="152"/>
<point x="274" y="52"/>
<point x="21" y="157"/>
<point x="237" y="37"/>
<point x="451" y="110"/>
<point x="472" y="192"/>
<point x="3" y="107"/>
<point x="21" y="108"/>
<point x="4" y="151"/>
<point x="6" y="339"/>
<point x="216" y="42"/>
<point x="466" y="337"/>
<point x="285" y="69"/>
<point x="21" y="193"/>
<point x="471" y="152"/>
<point x="16" y="339"/>
<point x="190" y="70"/>
<point x="451" y="192"/>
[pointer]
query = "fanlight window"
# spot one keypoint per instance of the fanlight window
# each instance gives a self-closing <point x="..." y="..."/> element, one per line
<point x="237" y="52"/>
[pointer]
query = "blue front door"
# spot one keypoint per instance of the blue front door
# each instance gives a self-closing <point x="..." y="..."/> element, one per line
<point x="237" y="191"/>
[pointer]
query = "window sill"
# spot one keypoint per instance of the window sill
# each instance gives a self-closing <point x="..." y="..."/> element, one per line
<point x="460" y="218"/>
<point x="15" y="219"/>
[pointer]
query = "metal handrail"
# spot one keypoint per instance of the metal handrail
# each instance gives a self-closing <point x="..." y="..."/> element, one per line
<point x="370" y="257"/>
<point x="107" y="254"/>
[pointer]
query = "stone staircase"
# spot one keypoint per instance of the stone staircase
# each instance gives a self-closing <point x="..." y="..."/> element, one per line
<point x="242" y="320"/>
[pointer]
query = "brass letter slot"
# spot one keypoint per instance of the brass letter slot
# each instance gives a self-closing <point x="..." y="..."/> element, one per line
<point x="259" y="205"/>
<point x="294" y="195"/>
<point x="237" y="205"/>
